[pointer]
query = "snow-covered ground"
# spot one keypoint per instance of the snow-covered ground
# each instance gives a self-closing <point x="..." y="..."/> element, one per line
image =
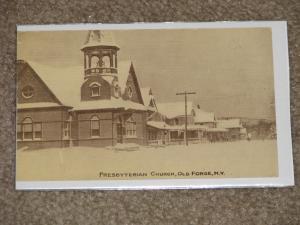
<point x="235" y="159"/>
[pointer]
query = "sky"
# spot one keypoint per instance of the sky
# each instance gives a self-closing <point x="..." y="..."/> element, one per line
<point x="231" y="70"/>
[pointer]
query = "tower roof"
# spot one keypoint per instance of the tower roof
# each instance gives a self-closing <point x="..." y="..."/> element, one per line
<point x="99" y="38"/>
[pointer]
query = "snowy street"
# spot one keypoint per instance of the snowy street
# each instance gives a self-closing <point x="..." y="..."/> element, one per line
<point x="231" y="159"/>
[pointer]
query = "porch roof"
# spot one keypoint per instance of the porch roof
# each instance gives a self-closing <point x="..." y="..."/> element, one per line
<point x="158" y="124"/>
<point x="189" y="127"/>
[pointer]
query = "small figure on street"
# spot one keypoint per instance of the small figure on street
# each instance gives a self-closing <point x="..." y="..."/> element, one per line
<point x="249" y="136"/>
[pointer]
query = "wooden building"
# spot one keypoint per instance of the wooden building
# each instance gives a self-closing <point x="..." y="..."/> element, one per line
<point x="234" y="127"/>
<point x="168" y="124"/>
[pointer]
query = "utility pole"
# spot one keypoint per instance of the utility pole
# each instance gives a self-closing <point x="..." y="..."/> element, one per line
<point x="185" y="105"/>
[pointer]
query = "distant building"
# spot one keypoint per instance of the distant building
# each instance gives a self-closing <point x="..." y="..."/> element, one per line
<point x="204" y="118"/>
<point x="233" y="126"/>
<point x="260" y="128"/>
<point x="212" y="132"/>
<point x="167" y="125"/>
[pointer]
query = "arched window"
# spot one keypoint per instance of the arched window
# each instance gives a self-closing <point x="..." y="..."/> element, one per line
<point x="130" y="127"/>
<point x="27" y="129"/>
<point x="27" y="92"/>
<point x="129" y="92"/>
<point x="106" y="61"/>
<point x="95" y="126"/>
<point x="95" y="62"/>
<point x="95" y="89"/>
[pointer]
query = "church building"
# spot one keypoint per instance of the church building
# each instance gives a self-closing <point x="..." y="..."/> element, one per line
<point x="98" y="104"/>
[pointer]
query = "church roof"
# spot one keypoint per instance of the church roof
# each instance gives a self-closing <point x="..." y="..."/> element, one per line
<point x="65" y="83"/>
<point x="99" y="38"/>
<point x="123" y="73"/>
<point x="174" y="109"/>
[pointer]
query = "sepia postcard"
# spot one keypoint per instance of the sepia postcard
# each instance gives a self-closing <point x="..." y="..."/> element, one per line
<point x="153" y="105"/>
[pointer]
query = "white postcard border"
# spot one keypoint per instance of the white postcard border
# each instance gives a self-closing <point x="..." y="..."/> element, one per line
<point x="282" y="102"/>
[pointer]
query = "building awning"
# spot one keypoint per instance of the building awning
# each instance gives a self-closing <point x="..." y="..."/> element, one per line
<point x="163" y="126"/>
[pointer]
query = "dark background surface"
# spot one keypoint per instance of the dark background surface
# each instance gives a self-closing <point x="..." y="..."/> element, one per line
<point x="204" y="207"/>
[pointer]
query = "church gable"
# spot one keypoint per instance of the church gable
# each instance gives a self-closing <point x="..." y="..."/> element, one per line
<point x="132" y="89"/>
<point x="30" y="88"/>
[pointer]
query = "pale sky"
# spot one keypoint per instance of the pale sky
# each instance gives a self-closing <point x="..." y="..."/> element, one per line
<point x="231" y="70"/>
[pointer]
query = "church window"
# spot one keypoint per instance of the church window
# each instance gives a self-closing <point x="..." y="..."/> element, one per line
<point x="37" y="128"/>
<point x="27" y="92"/>
<point x="106" y="61"/>
<point x="130" y="127"/>
<point x="66" y="130"/>
<point x="95" y="126"/>
<point x="129" y="92"/>
<point x="95" y="89"/>
<point x="27" y="129"/>
<point x="95" y="62"/>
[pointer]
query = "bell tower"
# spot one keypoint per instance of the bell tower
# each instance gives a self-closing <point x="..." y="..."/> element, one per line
<point x="100" y="54"/>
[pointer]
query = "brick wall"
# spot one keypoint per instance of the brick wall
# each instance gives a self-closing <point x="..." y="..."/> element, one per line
<point x="105" y="89"/>
<point x="135" y="94"/>
<point x="52" y="123"/>
<point x="41" y="93"/>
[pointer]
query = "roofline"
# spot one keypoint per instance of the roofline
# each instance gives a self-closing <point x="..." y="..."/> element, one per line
<point x="45" y="107"/>
<point x="136" y="81"/>
<point x="173" y="117"/>
<point x="103" y="46"/>
<point x="107" y="109"/>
